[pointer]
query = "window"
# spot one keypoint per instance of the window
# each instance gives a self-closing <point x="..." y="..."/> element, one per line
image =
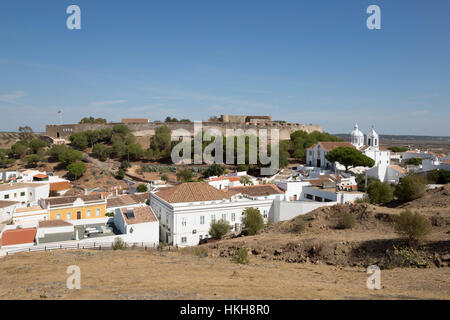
<point x="58" y="216"/>
<point x="68" y="216"/>
<point x="202" y="219"/>
<point x="224" y="216"/>
<point x="97" y="212"/>
<point x="183" y="222"/>
<point x="22" y="194"/>
<point x="15" y="195"/>
<point x="213" y="217"/>
<point x="88" y="214"/>
<point x="233" y="216"/>
<point x="6" y="196"/>
<point x="183" y="239"/>
<point x="31" y="193"/>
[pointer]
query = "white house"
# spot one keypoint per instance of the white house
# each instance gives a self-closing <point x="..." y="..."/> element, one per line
<point x="7" y="209"/>
<point x="186" y="211"/>
<point x="316" y="154"/>
<point x="138" y="224"/>
<point x="390" y="174"/>
<point x="25" y="193"/>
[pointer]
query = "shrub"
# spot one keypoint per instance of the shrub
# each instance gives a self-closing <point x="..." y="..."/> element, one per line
<point x="253" y="220"/>
<point x="241" y="256"/>
<point x="37" y="144"/>
<point x="405" y="257"/>
<point x="165" y="177"/>
<point x="79" y="140"/>
<point x="56" y="150"/>
<point x="120" y="174"/>
<point x="160" y="247"/>
<point x="101" y="151"/>
<point x="119" y="244"/>
<point x="124" y="165"/>
<point x="184" y="175"/>
<point x="142" y="188"/>
<point x="299" y="226"/>
<point x="412" y="226"/>
<point x="33" y="159"/>
<point x="219" y="228"/>
<point x="364" y="199"/>
<point x="380" y="192"/>
<point x="410" y="187"/>
<point x="346" y="221"/>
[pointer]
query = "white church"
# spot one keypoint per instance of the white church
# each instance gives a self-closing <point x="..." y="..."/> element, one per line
<point x="369" y="146"/>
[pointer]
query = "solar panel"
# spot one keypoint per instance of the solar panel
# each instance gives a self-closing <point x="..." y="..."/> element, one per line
<point x="130" y="214"/>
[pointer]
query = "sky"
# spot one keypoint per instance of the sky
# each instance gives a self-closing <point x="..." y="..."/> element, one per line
<point x="299" y="61"/>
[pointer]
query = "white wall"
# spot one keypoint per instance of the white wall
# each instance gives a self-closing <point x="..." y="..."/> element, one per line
<point x="284" y="210"/>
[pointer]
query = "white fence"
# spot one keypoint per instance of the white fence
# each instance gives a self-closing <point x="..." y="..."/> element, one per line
<point x="80" y="245"/>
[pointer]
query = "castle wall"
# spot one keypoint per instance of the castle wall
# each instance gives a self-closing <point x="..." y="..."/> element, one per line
<point x="148" y="129"/>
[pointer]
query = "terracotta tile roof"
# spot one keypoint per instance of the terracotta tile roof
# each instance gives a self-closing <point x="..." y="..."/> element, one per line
<point x="191" y="192"/>
<point x="60" y="186"/>
<point x="40" y="176"/>
<point x="126" y="199"/>
<point x="141" y="215"/>
<point x="53" y="223"/>
<point x="28" y="209"/>
<point x="70" y="200"/>
<point x="398" y="168"/>
<point x="323" y="179"/>
<point x="330" y="145"/>
<point x="19" y="185"/>
<point x="258" y="190"/>
<point x="4" y="204"/>
<point x="18" y="236"/>
<point x="224" y="178"/>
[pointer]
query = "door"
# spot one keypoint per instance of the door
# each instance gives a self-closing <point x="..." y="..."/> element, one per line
<point x="78" y="215"/>
<point x="318" y="163"/>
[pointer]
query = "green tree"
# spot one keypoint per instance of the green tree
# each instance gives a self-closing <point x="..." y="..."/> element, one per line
<point x="165" y="177"/>
<point x="101" y="151"/>
<point x="349" y="157"/>
<point x="133" y="152"/>
<point x="26" y="134"/>
<point x="219" y="228"/>
<point x="124" y="165"/>
<point x="79" y="140"/>
<point x="361" y="181"/>
<point x="91" y="120"/>
<point x="37" y="144"/>
<point x="252" y="220"/>
<point x="70" y="156"/>
<point x="410" y="187"/>
<point x="414" y="161"/>
<point x="380" y="192"/>
<point x="56" y="150"/>
<point x="398" y="149"/>
<point x="18" y="150"/>
<point x="184" y="175"/>
<point x="242" y="167"/>
<point x="76" y="170"/>
<point x="161" y="141"/>
<point x="213" y="170"/>
<point x="245" y="181"/>
<point x="142" y="188"/>
<point x="120" y="174"/>
<point x="34" y="159"/>
<point x="412" y="226"/>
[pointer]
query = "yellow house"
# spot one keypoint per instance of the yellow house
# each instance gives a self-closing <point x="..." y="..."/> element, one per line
<point x="75" y="207"/>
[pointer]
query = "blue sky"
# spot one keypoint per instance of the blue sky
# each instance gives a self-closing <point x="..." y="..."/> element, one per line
<point x="300" y="61"/>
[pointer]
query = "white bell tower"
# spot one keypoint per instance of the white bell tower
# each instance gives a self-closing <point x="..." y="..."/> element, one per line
<point x="373" y="139"/>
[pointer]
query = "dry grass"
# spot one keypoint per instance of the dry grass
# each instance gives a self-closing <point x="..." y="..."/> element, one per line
<point x="151" y="275"/>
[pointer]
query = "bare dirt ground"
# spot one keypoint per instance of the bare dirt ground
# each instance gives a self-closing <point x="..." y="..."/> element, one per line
<point x="176" y="275"/>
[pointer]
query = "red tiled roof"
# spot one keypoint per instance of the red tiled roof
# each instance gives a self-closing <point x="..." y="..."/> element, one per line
<point x="18" y="236"/>
<point x="60" y="186"/>
<point x="141" y="215"/>
<point x="330" y="145"/>
<point x="40" y="176"/>
<point x="258" y="190"/>
<point x="191" y="192"/>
